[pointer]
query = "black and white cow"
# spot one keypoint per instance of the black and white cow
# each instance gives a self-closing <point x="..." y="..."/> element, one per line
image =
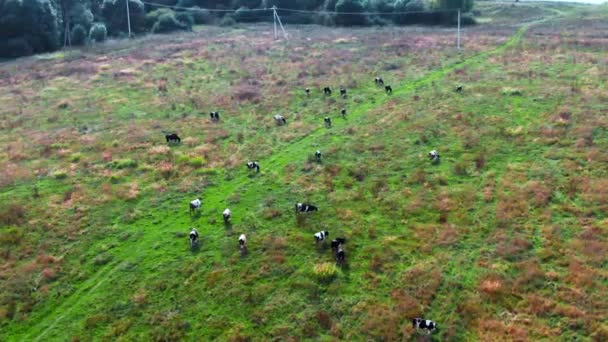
<point x="327" y="91"/>
<point x="379" y="81"/>
<point x="193" y="237"/>
<point x="434" y="156"/>
<point x="253" y="165"/>
<point x="215" y="116"/>
<point x="318" y="155"/>
<point x="337" y="242"/>
<point x="388" y="89"/>
<point x="195" y="204"/>
<point x="226" y="214"/>
<point x="280" y="119"/>
<point x="458" y="89"/>
<point x="305" y="208"/>
<point x="320" y="236"/>
<point x="424" y="324"/>
<point x="343" y="112"/>
<point x="343" y="92"/>
<point x="340" y="255"/>
<point x="242" y="242"/>
<point x="172" y="137"/>
<point x="307" y="90"/>
<point x="327" y="121"/>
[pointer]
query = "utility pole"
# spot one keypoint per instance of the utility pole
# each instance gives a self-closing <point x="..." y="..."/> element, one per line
<point x="458" y="37"/>
<point x="277" y="18"/>
<point x="129" y="18"/>
<point x="274" y="17"/>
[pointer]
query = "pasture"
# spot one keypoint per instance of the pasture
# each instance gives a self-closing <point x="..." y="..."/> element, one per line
<point x="505" y="239"/>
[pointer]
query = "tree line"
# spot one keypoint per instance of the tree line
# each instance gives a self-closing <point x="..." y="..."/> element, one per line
<point x="34" y="26"/>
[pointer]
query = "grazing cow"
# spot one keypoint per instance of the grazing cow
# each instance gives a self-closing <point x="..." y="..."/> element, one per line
<point x="327" y="91"/>
<point x="215" y="116"/>
<point x="343" y="92"/>
<point x="172" y="137"/>
<point x="327" y="121"/>
<point x="379" y="81"/>
<point x="434" y="156"/>
<point x="280" y="119"/>
<point x="305" y="208"/>
<point x="318" y="155"/>
<point x="343" y="112"/>
<point x="388" y="89"/>
<point x="340" y="255"/>
<point x="253" y="165"/>
<point x="193" y="237"/>
<point x="242" y="242"/>
<point x="320" y="236"/>
<point x="196" y="204"/>
<point x="424" y="324"/>
<point x="226" y="214"/>
<point x="458" y="89"/>
<point x="337" y="242"/>
<point x="307" y="90"/>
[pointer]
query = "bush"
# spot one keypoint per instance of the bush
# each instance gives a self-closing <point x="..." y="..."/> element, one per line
<point x="243" y="14"/>
<point x="98" y="32"/>
<point x="325" y="272"/>
<point x="78" y="35"/>
<point x="185" y="18"/>
<point x="167" y="22"/>
<point x="201" y="16"/>
<point x="15" y="47"/>
<point x="115" y="16"/>
<point x="227" y="21"/>
<point x="350" y="6"/>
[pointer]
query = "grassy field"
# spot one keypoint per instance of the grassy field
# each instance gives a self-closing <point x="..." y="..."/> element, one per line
<point x="504" y="240"/>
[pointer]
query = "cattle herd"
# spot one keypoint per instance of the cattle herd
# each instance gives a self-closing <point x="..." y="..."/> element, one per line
<point x="337" y="244"/>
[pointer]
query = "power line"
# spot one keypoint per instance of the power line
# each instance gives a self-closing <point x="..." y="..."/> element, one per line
<point x="362" y="13"/>
<point x="294" y="10"/>
<point x="204" y="9"/>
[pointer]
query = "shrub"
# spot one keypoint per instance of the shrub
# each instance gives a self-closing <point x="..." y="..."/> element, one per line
<point x="123" y="164"/>
<point x="167" y="22"/>
<point x="350" y="6"/>
<point x="12" y="214"/>
<point x="78" y="35"/>
<point x="185" y="18"/>
<point x="98" y="32"/>
<point x="508" y="91"/>
<point x="201" y="16"/>
<point x="115" y="16"/>
<point x="325" y="272"/>
<point x="227" y="21"/>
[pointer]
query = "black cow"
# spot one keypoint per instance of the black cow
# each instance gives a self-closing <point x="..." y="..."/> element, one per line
<point x="320" y="236"/>
<point x="343" y="112"/>
<point x="434" y="156"/>
<point x="327" y="91"/>
<point x="253" y="165"/>
<point x="343" y="92"/>
<point x="388" y="89"/>
<point x="327" y="121"/>
<point x="280" y="119"/>
<point x="379" y="81"/>
<point x="337" y="242"/>
<point x="195" y="204"/>
<point x="226" y="214"/>
<point x="318" y="155"/>
<point x="172" y="137"/>
<point x="305" y="208"/>
<point x="243" y="242"/>
<point x="215" y="116"/>
<point x="340" y="255"/>
<point x="458" y="89"/>
<point x="193" y="237"/>
<point x="424" y="324"/>
<point x="307" y="90"/>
